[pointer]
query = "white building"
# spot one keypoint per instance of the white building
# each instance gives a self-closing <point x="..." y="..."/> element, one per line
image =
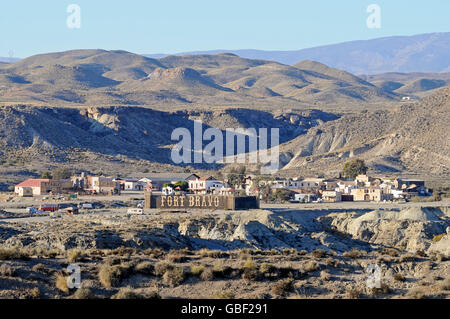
<point x="205" y="185"/>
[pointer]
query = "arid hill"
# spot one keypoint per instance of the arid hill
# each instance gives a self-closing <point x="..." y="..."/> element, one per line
<point x="104" y="78"/>
<point x="413" y="137"/>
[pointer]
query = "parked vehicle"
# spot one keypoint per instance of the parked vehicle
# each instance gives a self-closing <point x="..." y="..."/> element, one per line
<point x="87" y="206"/>
<point x="135" y="211"/>
<point x="49" y="207"/>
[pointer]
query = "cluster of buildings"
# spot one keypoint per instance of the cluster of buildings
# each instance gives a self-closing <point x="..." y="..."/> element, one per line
<point x="85" y="183"/>
<point x="362" y="188"/>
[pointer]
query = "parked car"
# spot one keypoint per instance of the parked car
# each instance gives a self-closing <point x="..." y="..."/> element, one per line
<point x="135" y="211"/>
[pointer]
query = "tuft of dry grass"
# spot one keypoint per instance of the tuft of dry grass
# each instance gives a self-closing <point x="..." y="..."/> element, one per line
<point x="145" y="268"/>
<point x="110" y="276"/>
<point x="225" y="294"/>
<point x="7" y="270"/>
<point x="127" y="293"/>
<point x="36" y="293"/>
<point x="325" y="275"/>
<point x="353" y="293"/>
<point x="319" y="253"/>
<point x="283" y="287"/>
<point x="399" y="277"/>
<point x="207" y="275"/>
<point x="75" y="255"/>
<point x="61" y="283"/>
<point x="84" y="293"/>
<point x="174" y="276"/>
<point x="14" y="254"/>
<point x="354" y="253"/>
<point x="161" y="268"/>
<point x="197" y="270"/>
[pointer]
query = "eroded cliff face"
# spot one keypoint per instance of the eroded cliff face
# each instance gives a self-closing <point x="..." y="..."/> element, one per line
<point x="411" y="230"/>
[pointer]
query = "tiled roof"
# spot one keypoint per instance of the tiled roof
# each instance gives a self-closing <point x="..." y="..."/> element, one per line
<point x="33" y="182"/>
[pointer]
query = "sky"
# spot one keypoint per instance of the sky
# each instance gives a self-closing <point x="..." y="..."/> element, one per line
<point x="148" y="26"/>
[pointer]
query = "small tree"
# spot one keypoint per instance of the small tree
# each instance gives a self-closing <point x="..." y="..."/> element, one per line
<point x="354" y="168"/>
<point x="46" y="175"/>
<point x="183" y="185"/>
<point x="62" y="173"/>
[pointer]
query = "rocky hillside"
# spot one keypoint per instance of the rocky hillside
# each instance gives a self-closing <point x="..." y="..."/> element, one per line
<point x="413" y="137"/>
<point x="411" y="229"/>
<point x="139" y="133"/>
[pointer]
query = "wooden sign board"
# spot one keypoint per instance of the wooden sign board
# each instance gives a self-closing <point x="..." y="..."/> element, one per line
<point x="208" y="202"/>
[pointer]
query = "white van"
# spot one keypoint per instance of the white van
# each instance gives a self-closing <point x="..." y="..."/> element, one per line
<point x="135" y="211"/>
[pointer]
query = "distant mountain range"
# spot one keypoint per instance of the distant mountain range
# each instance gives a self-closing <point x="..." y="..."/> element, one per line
<point x="418" y="53"/>
<point x="101" y="78"/>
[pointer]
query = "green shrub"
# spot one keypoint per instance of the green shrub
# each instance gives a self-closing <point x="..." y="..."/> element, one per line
<point x="438" y="238"/>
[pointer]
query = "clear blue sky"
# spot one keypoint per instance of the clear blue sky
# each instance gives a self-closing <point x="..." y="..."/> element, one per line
<point x="148" y="26"/>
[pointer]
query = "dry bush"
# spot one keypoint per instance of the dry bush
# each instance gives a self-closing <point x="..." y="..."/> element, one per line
<point x="41" y="268"/>
<point x="197" y="270"/>
<point x="84" y="293"/>
<point x="35" y="293"/>
<point x="145" y="268"/>
<point x="266" y="269"/>
<point x="61" y="283"/>
<point x="176" y="258"/>
<point x="283" y="287"/>
<point x="161" y="268"/>
<point x="446" y="284"/>
<point x="399" y="277"/>
<point x="331" y="262"/>
<point x="225" y="294"/>
<point x="156" y="253"/>
<point x="319" y="253"/>
<point x="353" y="293"/>
<point x="207" y="275"/>
<point x="7" y="270"/>
<point x="303" y="252"/>
<point x="110" y="276"/>
<point x="14" y="254"/>
<point x="173" y="277"/>
<point x="75" y="255"/>
<point x="420" y="253"/>
<point x="127" y="293"/>
<point x="124" y="251"/>
<point x="325" y="275"/>
<point x="212" y="253"/>
<point x="354" y="253"/>
<point x="389" y="252"/>
<point x="383" y="290"/>
<point x="250" y="271"/>
<point x="289" y="251"/>
<point x="311" y="267"/>
<point x="416" y="293"/>
<point x="407" y="258"/>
